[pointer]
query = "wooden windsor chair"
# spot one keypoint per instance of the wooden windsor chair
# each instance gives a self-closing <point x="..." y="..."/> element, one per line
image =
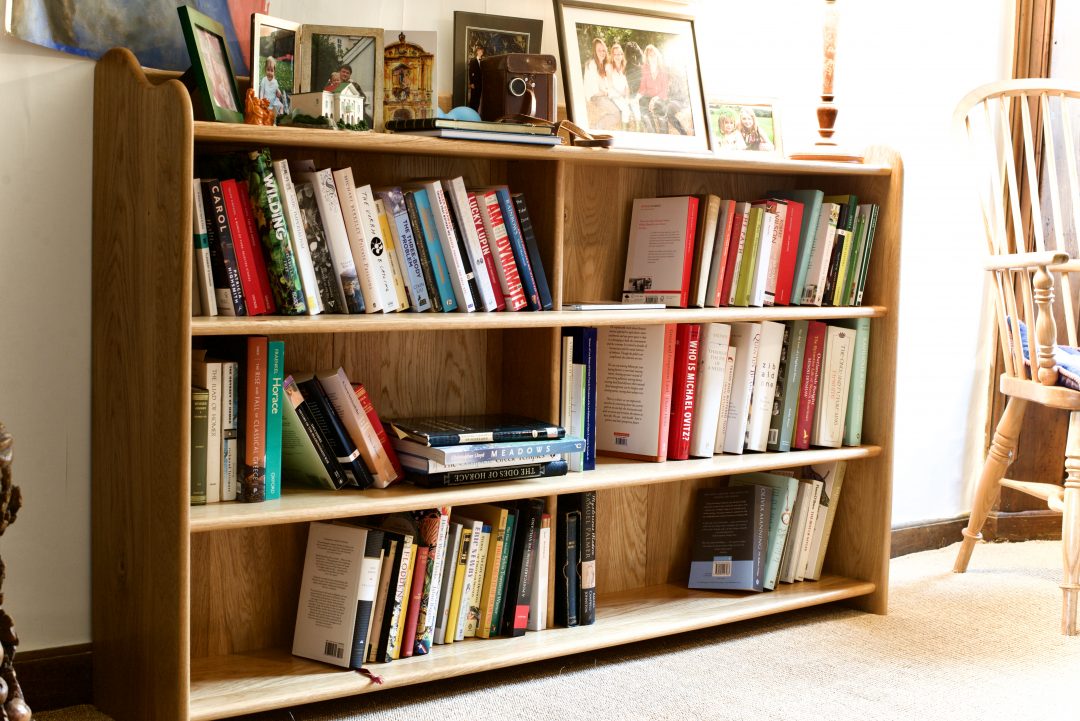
<point x="1021" y="137"/>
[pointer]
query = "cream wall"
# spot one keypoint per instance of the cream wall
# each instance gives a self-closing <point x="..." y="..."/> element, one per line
<point x="902" y="67"/>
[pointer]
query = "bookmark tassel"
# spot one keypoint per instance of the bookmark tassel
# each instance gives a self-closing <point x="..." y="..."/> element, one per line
<point x="375" y="678"/>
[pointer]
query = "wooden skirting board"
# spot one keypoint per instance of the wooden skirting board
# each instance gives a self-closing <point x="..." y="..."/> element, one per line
<point x="1000" y="526"/>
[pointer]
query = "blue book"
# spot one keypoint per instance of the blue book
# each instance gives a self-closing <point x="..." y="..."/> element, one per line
<point x="731" y="536"/>
<point x="405" y="244"/>
<point x="784" y="491"/>
<point x="811" y="200"/>
<point x="434" y="248"/>
<point x="517" y="246"/>
<point x="585" y="353"/>
<point x="533" y="249"/>
<point x="275" y="376"/>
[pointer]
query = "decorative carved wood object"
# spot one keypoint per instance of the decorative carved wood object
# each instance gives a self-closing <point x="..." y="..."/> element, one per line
<point x="12" y="705"/>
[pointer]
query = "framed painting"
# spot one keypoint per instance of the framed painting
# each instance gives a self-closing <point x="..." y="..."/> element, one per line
<point x="632" y="73"/>
<point x="335" y="57"/>
<point x="275" y="58"/>
<point x="477" y="35"/>
<point x="744" y="125"/>
<point x="216" y="96"/>
<point x="409" y="74"/>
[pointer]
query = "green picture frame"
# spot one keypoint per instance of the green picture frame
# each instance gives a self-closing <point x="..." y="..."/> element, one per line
<point x="215" y="95"/>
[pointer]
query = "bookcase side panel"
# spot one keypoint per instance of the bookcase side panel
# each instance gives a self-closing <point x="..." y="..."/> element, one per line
<point x="140" y="392"/>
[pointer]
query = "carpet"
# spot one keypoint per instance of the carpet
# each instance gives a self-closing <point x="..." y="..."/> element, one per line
<point x="985" y="644"/>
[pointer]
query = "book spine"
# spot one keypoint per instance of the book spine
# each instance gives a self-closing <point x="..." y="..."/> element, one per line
<point x="370" y="566"/>
<point x="227" y="289"/>
<point x="833" y="388"/>
<point x="355" y="419"/>
<point x="450" y="554"/>
<point x="345" y="277"/>
<point x="767" y="246"/>
<point x="468" y="580"/>
<point x="587" y="605"/>
<point x="778" y="210"/>
<point x="460" y="275"/>
<point x="479" y="576"/>
<point x="735" y="253"/>
<point x="762" y="512"/>
<point x="787" y="389"/>
<point x="536" y="263"/>
<point x="539" y="600"/>
<point x="405" y="243"/>
<point x="200" y="401"/>
<point x="499" y="600"/>
<point x="266" y="199"/>
<point x="364" y="240"/>
<point x="426" y="466"/>
<point x="253" y="482"/>
<point x="683" y="388"/>
<point x="804" y="417"/>
<point x="466" y="558"/>
<point x="435" y="524"/>
<point x="712" y="352"/>
<point x="517" y="247"/>
<point x="725" y="400"/>
<point x="749" y="257"/>
<point x="868" y="246"/>
<point x="491" y="579"/>
<point x="522" y="472"/>
<point x="257" y="255"/>
<point x="761" y="405"/>
<point x="423" y="254"/>
<point x="785" y="274"/>
<point x="505" y="450"/>
<point x="428" y="237"/>
<point x="853" y="418"/>
<point x="412" y="617"/>
<point x="327" y="457"/>
<point x="204" y="274"/>
<point x="389" y="645"/>
<point x="298" y="237"/>
<point x="505" y="267"/>
<point x="515" y="616"/>
<point x="818" y="271"/>
<point x="275" y="353"/>
<point x="230" y="418"/>
<point x="243" y="248"/>
<point x="387" y="574"/>
<point x="590" y="349"/>
<point x="458" y="200"/>
<point x="846" y="286"/>
<point x="390" y="256"/>
<point x="485" y="248"/>
<point x="840" y="253"/>
<point x="331" y="295"/>
<point x="721" y="245"/>
<point x="567" y="583"/>
<point x="373" y="417"/>
<point x="347" y="454"/>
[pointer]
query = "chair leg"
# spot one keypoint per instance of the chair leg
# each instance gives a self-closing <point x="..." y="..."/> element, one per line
<point x="1070" y="529"/>
<point x="998" y="459"/>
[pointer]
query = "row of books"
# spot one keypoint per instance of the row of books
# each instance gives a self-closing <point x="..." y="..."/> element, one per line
<point x="265" y="244"/>
<point x="765" y="528"/>
<point x="793" y="247"/>
<point x="378" y="589"/>
<point x="455" y="450"/>
<point x="254" y="428"/>
<point x="669" y="392"/>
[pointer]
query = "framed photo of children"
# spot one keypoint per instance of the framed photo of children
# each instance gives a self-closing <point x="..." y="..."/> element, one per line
<point x="275" y="58"/>
<point x="334" y="58"/>
<point x="215" y="95"/>
<point x="744" y="125"/>
<point x="479" y="34"/>
<point x="632" y="73"/>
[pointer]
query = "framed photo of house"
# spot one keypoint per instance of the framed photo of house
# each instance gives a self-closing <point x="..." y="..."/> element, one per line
<point x="275" y="58"/>
<point x="477" y="35"/>
<point x="744" y="125"/>
<point x="632" y="73"/>
<point x="334" y="57"/>
<point x="214" y="91"/>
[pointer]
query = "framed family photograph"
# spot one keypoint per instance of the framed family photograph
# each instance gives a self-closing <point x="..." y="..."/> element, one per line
<point x="215" y="90"/>
<point x="477" y="35"/>
<point x="744" y="125"/>
<point x="334" y="58"/>
<point x="632" y="73"/>
<point x="275" y="58"/>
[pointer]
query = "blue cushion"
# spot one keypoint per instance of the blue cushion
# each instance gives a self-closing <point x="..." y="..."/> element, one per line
<point x="1066" y="361"/>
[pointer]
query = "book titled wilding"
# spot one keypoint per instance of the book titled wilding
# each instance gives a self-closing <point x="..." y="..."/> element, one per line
<point x="731" y="534"/>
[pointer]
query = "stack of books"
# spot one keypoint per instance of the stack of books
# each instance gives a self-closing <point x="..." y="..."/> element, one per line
<point x="477" y="130"/>
<point x="454" y="450"/>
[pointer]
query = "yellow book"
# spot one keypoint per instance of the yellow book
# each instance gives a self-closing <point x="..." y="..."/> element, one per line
<point x="749" y="261"/>
<point x="396" y="652"/>
<point x="473" y="616"/>
<point x="392" y="255"/>
<point x="495" y="517"/>
<point x="459" y="585"/>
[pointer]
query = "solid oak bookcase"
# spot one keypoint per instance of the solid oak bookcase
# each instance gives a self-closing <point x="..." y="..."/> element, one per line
<point x="193" y="608"/>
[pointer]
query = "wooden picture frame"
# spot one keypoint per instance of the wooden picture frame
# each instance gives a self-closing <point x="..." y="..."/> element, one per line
<point x="654" y="101"/>
<point x="279" y="40"/>
<point x="214" y="95"/>
<point x="328" y="49"/>
<point x="764" y="136"/>
<point x="495" y="35"/>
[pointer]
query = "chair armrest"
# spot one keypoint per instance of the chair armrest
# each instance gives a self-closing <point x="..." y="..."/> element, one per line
<point x="1021" y="261"/>
<point x="1069" y="266"/>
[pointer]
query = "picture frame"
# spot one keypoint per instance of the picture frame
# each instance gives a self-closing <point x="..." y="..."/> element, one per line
<point x="278" y="40"/>
<point x="410" y="67"/>
<point x="654" y="101"/>
<point x="495" y="35"/>
<point x="214" y="92"/>
<point x="729" y="129"/>
<point x="326" y="50"/>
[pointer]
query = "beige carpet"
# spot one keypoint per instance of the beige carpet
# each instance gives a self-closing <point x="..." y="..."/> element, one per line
<point x="982" y="645"/>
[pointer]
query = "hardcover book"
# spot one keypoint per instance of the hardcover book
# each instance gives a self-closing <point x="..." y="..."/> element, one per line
<point x="370" y="568"/>
<point x="496" y="518"/>
<point x="460" y="273"/>
<point x="248" y="250"/>
<point x="472" y="618"/>
<point x="385" y="645"/>
<point x="712" y="366"/>
<point x="585" y="355"/>
<point x="785" y="490"/>
<point x="731" y="533"/>
<point x="834" y="387"/>
<point x="517" y="246"/>
<point x="486" y="246"/>
<point x="465" y="577"/>
<point x="633" y="390"/>
<point x="519" y="580"/>
<point x="230" y="430"/>
<point x="331" y="295"/>
<point x="332" y="429"/>
<point x="584" y="504"/>
<point x="761" y="401"/>
<point x="796" y="533"/>
<point x="365" y="243"/>
<point x="660" y="252"/>
<point x="818" y="270"/>
<point x="538" y="602"/>
<point x="567" y="578"/>
<point x="390" y="254"/>
<point x="498" y="604"/>
<point x="746" y="341"/>
<point x="391" y="555"/>
<point x="683" y="390"/>
<point x="298" y="235"/>
<point x="426" y="466"/>
<point x="364" y="436"/>
<point x="831" y="476"/>
<point x="708" y="217"/>
<point x="748" y="263"/>
<point x="487" y="428"/>
<point x="226" y="275"/>
<point x="253" y="479"/>
<point x="721" y="246"/>
<point x="487" y="202"/>
<point x="458" y="200"/>
<point x="405" y="245"/>
<point x="275" y="376"/>
<point x="788" y="378"/>
<point x="204" y="274"/>
<point x="811" y="202"/>
<point x="532" y="249"/>
<point x="808" y="388"/>
<point x="514" y="472"/>
<point x="428" y="244"/>
<point x="736" y="245"/>
<point x="256" y="251"/>
<point x="200" y="399"/>
<point x="853" y="417"/>
<point x="274" y="231"/>
<point x="434" y="524"/>
<point x="451" y="550"/>
<point x="487" y="452"/>
<point x="789" y="251"/>
<point x="306" y="456"/>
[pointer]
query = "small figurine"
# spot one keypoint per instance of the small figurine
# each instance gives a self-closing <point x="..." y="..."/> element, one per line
<point x="257" y="110"/>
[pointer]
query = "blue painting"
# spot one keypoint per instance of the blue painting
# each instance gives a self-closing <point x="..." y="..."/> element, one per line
<point x="149" y="28"/>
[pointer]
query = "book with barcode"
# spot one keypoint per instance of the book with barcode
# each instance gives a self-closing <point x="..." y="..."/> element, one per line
<point x="731" y="534"/>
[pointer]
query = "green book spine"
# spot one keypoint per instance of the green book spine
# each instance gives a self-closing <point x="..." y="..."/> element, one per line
<point x="785" y="490"/>
<point x="504" y="566"/>
<point x="788" y="381"/>
<point x="200" y="420"/>
<point x="846" y="293"/>
<point x="274" y="397"/>
<point x="274" y="231"/>
<point x="868" y="246"/>
<point x="857" y="392"/>
<point x="749" y="257"/>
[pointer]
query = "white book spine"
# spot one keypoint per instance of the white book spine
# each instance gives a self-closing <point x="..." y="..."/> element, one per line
<point x="444" y="226"/>
<point x="796" y="533"/>
<point x="347" y="406"/>
<point x="567" y="390"/>
<point x="813" y="500"/>
<point x="714" y="344"/>
<point x="746" y="338"/>
<point x="458" y="196"/>
<point x="453" y="548"/>
<point x="326" y="198"/>
<point x="364" y="241"/>
<point x="204" y="277"/>
<point x="405" y="240"/>
<point x="833" y="388"/>
<point x="814" y="290"/>
<point x="298" y="238"/>
<point x="706" y="238"/>
<point x="389" y="255"/>
<point x="230" y="419"/>
<point x="725" y="400"/>
<point x="425" y="625"/>
<point x="576" y="461"/>
<point x="761" y="403"/>
<point x="777" y="250"/>
<point x="213" y="437"/>
<point x="766" y="247"/>
<point x="538" y="598"/>
<point x="833" y="478"/>
<point x="481" y="574"/>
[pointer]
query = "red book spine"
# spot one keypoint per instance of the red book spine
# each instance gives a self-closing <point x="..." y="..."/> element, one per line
<point x="257" y="247"/>
<point x="665" y="391"/>
<point x="683" y="388"/>
<point x="253" y="482"/>
<point x="514" y="292"/>
<point x="804" y="416"/>
<point x="785" y="274"/>
<point x="688" y="249"/>
<point x="416" y="593"/>
<point x="738" y="227"/>
<point x="723" y="238"/>
<point x="373" y="416"/>
<point x="245" y="263"/>
<point x="485" y="248"/>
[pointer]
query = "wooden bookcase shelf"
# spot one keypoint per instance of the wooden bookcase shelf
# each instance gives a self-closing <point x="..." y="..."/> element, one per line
<point x="193" y="608"/>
